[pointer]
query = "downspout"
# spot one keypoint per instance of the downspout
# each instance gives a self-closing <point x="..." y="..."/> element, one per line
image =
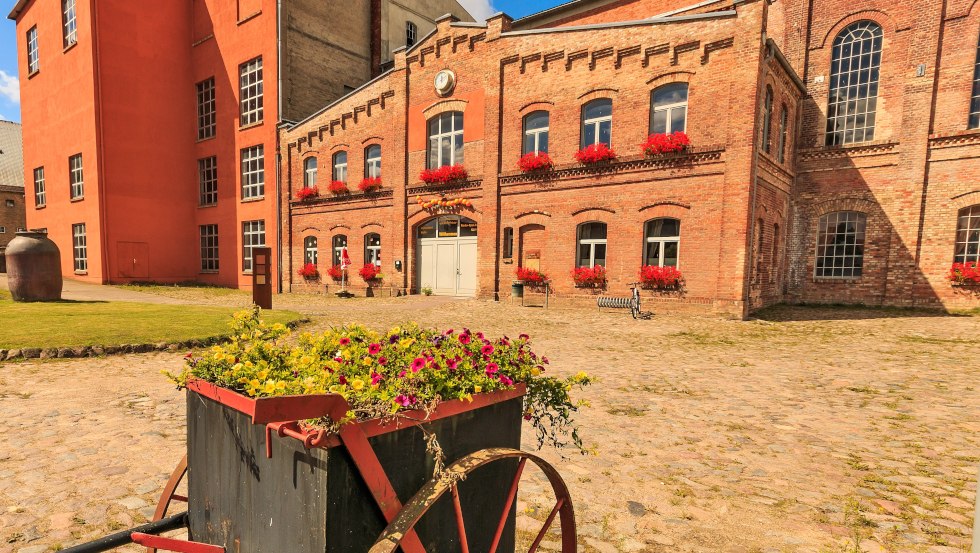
<point x="278" y="153"/>
<point x="100" y="155"/>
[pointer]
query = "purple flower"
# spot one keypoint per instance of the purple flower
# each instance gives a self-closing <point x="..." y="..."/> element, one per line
<point x="342" y="379"/>
<point x="448" y="332"/>
<point x="544" y="360"/>
<point x="382" y="360"/>
<point x="524" y="337"/>
<point x="403" y="400"/>
<point x="417" y="364"/>
<point x="486" y="350"/>
<point x="374" y="349"/>
<point x="393" y="338"/>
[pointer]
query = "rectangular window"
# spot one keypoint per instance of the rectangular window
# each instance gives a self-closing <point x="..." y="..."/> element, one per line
<point x="68" y="22"/>
<point x="253" y="172"/>
<point x="209" y="248"/>
<point x="508" y="243"/>
<point x="3" y="230"/>
<point x="40" y="197"/>
<point x="32" y="60"/>
<point x="253" y="235"/>
<point x="207" y="176"/>
<point x="79" y="247"/>
<point x="75" y="177"/>
<point x="975" y="97"/>
<point x="250" y="91"/>
<point x="840" y="245"/>
<point x="205" y="109"/>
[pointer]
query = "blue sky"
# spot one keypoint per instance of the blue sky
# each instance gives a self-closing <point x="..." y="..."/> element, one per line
<point x="10" y="90"/>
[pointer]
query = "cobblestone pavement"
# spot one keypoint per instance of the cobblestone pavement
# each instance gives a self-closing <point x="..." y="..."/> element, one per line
<point x="813" y="430"/>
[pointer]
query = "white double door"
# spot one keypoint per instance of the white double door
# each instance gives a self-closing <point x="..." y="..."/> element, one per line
<point x="448" y="266"/>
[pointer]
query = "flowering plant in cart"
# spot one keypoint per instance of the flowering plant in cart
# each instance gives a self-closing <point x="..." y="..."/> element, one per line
<point x="383" y="373"/>
<point x="530" y="276"/>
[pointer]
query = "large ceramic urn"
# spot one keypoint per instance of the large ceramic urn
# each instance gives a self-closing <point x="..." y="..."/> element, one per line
<point x="33" y="267"/>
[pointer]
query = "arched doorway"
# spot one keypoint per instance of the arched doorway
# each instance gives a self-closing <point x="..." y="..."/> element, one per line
<point x="447" y="255"/>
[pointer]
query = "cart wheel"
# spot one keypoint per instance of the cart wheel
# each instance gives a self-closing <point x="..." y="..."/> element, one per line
<point x="425" y="498"/>
<point x="170" y="494"/>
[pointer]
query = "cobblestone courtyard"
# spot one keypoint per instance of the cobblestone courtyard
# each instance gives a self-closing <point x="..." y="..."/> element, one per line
<point x="811" y="430"/>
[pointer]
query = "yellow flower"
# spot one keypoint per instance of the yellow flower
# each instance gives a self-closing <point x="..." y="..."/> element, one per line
<point x="236" y="367"/>
<point x="281" y="385"/>
<point x="404" y="343"/>
<point x="254" y="383"/>
<point x="345" y="354"/>
<point x="535" y="371"/>
<point x="396" y="330"/>
<point x="269" y="387"/>
<point x="477" y="389"/>
<point x="357" y="384"/>
<point x="468" y="397"/>
<point x="262" y="375"/>
<point x="306" y="360"/>
<point x="336" y="389"/>
<point x="367" y="361"/>
<point x="581" y="375"/>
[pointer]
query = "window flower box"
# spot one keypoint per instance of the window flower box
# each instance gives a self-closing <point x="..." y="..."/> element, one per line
<point x="661" y="143"/>
<point x="653" y="277"/>
<point x="595" y="154"/>
<point x="964" y="274"/>
<point x="589" y="277"/>
<point x="339" y="187"/>
<point x="535" y="163"/>
<point x="307" y="193"/>
<point x="309" y="272"/>
<point x="444" y="175"/>
<point x="370" y="184"/>
<point x="335" y="272"/>
<point x="531" y="277"/>
<point x="371" y="274"/>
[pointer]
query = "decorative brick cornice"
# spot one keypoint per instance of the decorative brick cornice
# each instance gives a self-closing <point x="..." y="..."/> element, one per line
<point x="342" y="198"/>
<point x="451" y="186"/>
<point x="967" y="138"/>
<point x="855" y="150"/>
<point x="693" y="156"/>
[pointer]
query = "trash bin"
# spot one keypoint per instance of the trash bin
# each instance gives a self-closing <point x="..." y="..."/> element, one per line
<point x="517" y="289"/>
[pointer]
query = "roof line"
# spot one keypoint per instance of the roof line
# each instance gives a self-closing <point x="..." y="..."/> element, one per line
<point x="544" y="12"/>
<point x="292" y="125"/>
<point x="18" y="7"/>
<point x="778" y="54"/>
<point x="657" y="21"/>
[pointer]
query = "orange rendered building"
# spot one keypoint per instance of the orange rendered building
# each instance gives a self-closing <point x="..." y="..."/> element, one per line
<point x="150" y="138"/>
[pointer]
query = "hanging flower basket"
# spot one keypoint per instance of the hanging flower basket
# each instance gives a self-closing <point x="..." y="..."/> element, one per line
<point x="444" y="175"/>
<point x="307" y="193"/>
<point x="660" y="143"/>
<point x="596" y="153"/>
<point x="964" y="274"/>
<point x="371" y="274"/>
<point x="339" y="187"/>
<point x="531" y="276"/>
<point x="589" y="277"/>
<point x="535" y="163"/>
<point x="309" y="272"/>
<point x="370" y="184"/>
<point x="653" y="277"/>
<point x="335" y="272"/>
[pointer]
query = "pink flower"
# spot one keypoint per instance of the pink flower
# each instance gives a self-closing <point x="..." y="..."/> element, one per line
<point x="452" y="364"/>
<point x="374" y="349"/>
<point x="382" y="360"/>
<point x="492" y="368"/>
<point x="505" y="380"/>
<point x="403" y="400"/>
<point x="417" y="364"/>
<point x="401" y="374"/>
<point x="480" y="336"/>
<point x="344" y="341"/>
<point x="448" y="332"/>
<point x="342" y="379"/>
<point x="486" y="350"/>
<point x="464" y="339"/>
<point x="544" y="360"/>
<point x="338" y="359"/>
<point x="375" y="378"/>
<point x="524" y="337"/>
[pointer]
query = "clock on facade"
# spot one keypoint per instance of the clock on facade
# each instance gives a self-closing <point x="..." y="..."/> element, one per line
<point x="444" y="82"/>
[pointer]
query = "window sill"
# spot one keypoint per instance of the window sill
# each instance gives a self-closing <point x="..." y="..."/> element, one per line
<point x="205" y="139"/>
<point x="246" y="273"/>
<point x="248" y="18"/>
<point x="69" y="47"/>
<point x="42" y="206"/>
<point x="848" y="280"/>
<point x="81" y="273"/>
<point x="33" y="73"/>
<point x="258" y="123"/>
<point x="255" y="199"/>
<point x="208" y="272"/>
<point x="207" y="205"/>
<point x="78" y="199"/>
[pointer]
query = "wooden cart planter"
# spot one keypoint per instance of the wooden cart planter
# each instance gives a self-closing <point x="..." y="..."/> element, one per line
<point x="259" y="482"/>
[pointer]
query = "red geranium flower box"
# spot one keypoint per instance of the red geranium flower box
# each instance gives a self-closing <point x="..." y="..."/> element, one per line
<point x="307" y="192"/>
<point x="660" y="143"/>
<point x="308" y="271"/>
<point x="530" y="276"/>
<point x="370" y="272"/>
<point x="964" y="274"/>
<point x="595" y="153"/>
<point x="531" y="163"/>
<point x="589" y="277"/>
<point x="335" y="272"/>
<point x="444" y="175"/>
<point x="339" y="187"/>
<point x="660" y="278"/>
<point x="370" y="184"/>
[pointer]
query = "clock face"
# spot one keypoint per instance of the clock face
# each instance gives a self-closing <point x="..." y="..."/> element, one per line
<point x="444" y="82"/>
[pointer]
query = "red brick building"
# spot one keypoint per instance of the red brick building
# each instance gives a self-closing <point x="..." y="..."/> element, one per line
<point x="825" y="164"/>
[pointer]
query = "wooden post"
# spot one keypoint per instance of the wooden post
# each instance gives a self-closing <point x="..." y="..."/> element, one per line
<point x="262" y="277"/>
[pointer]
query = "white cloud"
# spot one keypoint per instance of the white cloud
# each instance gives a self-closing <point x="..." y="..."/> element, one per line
<point x="479" y="9"/>
<point x="9" y="87"/>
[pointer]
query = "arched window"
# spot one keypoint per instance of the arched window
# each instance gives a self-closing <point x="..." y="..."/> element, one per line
<point x="775" y="252"/>
<point x="840" y="244"/>
<point x="662" y="243"/>
<point x="767" y="122"/>
<point x="783" y="132"/>
<point x="536" y="132"/>
<point x="411" y="33"/>
<point x="372" y="161"/>
<point x="968" y="235"/>
<point x="760" y="240"/>
<point x="668" y="108"/>
<point x="309" y="172"/>
<point x="339" y="243"/>
<point x="591" y="245"/>
<point x="597" y="122"/>
<point x="309" y="250"/>
<point x="853" y="98"/>
<point x="340" y="166"/>
<point x="445" y="139"/>
<point x="975" y="98"/>
<point x="372" y="249"/>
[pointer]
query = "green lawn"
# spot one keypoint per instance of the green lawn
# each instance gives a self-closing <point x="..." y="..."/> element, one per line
<point x="67" y="323"/>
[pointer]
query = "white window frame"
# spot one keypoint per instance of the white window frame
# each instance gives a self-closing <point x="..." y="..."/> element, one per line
<point x="852" y="270"/>
<point x="411" y="34"/>
<point x="253" y="172"/>
<point x="441" y="134"/>
<point x="339" y="169"/>
<point x="207" y="177"/>
<point x="250" y="92"/>
<point x="662" y="241"/>
<point x="338" y="247"/>
<point x="372" y="254"/>
<point x="591" y="242"/>
<point x="596" y="122"/>
<point x="309" y="172"/>
<point x="209" y="248"/>
<point x="33" y="59"/>
<point x="535" y="134"/>
<point x="40" y="194"/>
<point x="79" y="247"/>
<point x="974" y="119"/>
<point x="253" y="236"/>
<point x="967" y="221"/>
<point x="668" y="109"/>
<point x="843" y="102"/>
<point x="76" y="177"/>
<point x="206" y="109"/>
<point x="69" y="22"/>
<point x="372" y="162"/>
<point x="310" y="251"/>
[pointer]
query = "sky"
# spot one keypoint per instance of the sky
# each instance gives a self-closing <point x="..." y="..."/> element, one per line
<point x="10" y="88"/>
